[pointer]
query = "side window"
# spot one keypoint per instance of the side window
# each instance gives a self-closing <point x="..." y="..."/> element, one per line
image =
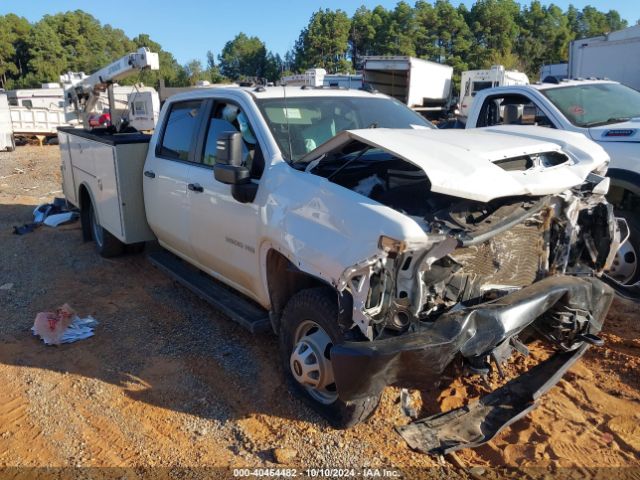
<point x="27" y="103"/>
<point x="179" y="130"/>
<point x="512" y="110"/>
<point x="228" y="117"/>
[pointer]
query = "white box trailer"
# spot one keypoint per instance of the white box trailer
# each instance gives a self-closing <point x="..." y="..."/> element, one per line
<point x="615" y="56"/>
<point x="473" y="81"/>
<point x="109" y="168"/>
<point x="6" y="128"/>
<point x="36" y="121"/>
<point x="422" y="85"/>
<point x="50" y="96"/>
<point x="312" y="78"/>
<point x="343" y="80"/>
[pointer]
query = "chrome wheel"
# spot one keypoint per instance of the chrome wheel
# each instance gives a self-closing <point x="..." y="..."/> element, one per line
<point x="625" y="264"/>
<point x="310" y="362"/>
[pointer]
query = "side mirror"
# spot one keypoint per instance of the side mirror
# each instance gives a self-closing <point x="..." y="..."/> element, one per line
<point x="229" y="169"/>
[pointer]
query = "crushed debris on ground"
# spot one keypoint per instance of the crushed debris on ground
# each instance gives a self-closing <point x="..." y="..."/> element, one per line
<point x="169" y="382"/>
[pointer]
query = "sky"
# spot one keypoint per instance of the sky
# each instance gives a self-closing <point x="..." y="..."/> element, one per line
<point x="189" y="28"/>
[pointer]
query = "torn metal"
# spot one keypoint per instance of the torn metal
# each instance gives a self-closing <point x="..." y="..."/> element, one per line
<point x="563" y="309"/>
<point x="475" y="252"/>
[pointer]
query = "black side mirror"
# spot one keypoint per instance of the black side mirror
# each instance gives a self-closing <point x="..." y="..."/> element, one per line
<point x="229" y="169"/>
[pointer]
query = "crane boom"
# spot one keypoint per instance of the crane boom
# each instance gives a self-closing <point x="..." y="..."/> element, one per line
<point x="85" y="90"/>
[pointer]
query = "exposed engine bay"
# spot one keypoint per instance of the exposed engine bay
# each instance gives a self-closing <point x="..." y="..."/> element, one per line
<point x="475" y="252"/>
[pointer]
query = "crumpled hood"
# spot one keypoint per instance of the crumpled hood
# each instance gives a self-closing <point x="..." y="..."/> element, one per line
<point x="617" y="132"/>
<point x="461" y="162"/>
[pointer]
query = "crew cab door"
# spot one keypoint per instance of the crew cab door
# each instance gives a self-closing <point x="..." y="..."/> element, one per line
<point x="168" y="172"/>
<point x="225" y="232"/>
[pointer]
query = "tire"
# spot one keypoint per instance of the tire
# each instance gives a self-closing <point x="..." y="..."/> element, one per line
<point x="106" y="244"/>
<point x="318" y="306"/>
<point x="626" y="266"/>
<point x="135" y="248"/>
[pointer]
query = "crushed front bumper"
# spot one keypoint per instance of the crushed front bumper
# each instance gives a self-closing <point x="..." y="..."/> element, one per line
<point x="418" y="358"/>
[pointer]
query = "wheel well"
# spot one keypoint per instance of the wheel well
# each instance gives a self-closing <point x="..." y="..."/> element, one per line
<point x="624" y="193"/>
<point x="284" y="280"/>
<point x="84" y="201"/>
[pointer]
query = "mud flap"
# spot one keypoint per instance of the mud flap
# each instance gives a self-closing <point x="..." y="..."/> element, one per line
<point x="475" y="424"/>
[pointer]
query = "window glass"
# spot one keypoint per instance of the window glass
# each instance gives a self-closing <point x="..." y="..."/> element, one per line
<point x="512" y="110"/>
<point x="27" y="103"/>
<point x="179" y="130"/>
<point x="216" y="127"/>
<point x="477" y="86"/>
<point x="299" y="125"/>
<point x="228" y="117"/>
<point x="595" y="104"/>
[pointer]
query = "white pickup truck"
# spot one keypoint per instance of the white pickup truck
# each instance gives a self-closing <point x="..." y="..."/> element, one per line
<point x="378" y="255"/>
<point x="608" y="113"/>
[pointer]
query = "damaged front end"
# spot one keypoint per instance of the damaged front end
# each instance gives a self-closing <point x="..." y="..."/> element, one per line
<point x="485" y="273"/>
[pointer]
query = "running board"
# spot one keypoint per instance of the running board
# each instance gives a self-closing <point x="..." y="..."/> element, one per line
<point x="473" y="425"/>
<point x="232" y="304"/>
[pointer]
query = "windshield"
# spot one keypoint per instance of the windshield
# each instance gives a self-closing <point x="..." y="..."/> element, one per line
<point x="596" y="104"/>
<point x="299" y="125"/>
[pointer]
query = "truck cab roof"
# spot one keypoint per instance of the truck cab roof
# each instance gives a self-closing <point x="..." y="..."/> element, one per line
<point x="261" y="92"/>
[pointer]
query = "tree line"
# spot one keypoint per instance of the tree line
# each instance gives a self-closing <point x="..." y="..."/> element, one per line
<point x="489" y="32"/>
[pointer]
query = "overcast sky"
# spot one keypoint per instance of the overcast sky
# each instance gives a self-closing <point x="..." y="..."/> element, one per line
<point x="188" y="29"/>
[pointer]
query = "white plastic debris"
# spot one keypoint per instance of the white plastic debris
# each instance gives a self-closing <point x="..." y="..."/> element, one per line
<point x="63" y="326"/>
<point x="59" y="219"/>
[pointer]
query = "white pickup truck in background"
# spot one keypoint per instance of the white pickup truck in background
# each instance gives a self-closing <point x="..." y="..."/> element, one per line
<point x="378" y="248"/>
<point x="608" y="113"/>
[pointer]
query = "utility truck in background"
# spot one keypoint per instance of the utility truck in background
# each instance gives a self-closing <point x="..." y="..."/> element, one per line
<point x="474" y="81"/>
<point x="421" y="85"/>
<point x="378" y="248"/>
<point x="604" y="111"/>
<point x="615" y="56"/>
<point x="7" y="141"/>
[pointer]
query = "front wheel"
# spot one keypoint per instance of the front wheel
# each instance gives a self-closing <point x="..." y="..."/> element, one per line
<point x="626" y="264"/>
<point x="308" y="330"/>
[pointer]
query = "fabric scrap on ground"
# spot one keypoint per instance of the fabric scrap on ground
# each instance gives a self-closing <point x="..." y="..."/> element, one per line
<point x="51" y="214"/>
<point x="63" y="326"/>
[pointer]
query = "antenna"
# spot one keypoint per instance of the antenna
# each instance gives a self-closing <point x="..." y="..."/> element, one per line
<point x="286" y="117"/>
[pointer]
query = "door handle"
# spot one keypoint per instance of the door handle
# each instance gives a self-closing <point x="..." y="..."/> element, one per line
<point x="150" y="174"/>
<point x="195" y="187"/>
